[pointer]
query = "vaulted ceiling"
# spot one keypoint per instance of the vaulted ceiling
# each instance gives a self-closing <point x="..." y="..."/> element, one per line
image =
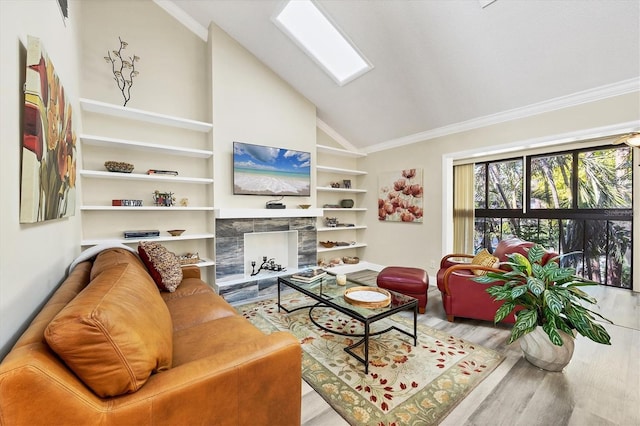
<point x="441" y="64"/>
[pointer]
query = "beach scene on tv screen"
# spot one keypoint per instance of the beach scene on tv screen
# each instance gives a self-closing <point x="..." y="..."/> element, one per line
<point x="264" y="170"/>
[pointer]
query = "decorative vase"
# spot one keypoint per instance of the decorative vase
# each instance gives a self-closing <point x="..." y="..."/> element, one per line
<point x="539" y="350"/>
<point x="347" y="204"/>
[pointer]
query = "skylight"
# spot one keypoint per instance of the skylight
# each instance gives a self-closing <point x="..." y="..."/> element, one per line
<point x="320" y="39"/>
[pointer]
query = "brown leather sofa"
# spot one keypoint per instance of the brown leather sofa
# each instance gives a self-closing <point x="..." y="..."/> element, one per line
<point x="126" y="353"/>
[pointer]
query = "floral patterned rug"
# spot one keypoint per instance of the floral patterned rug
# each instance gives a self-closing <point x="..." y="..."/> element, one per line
<point x="406" y="385"/>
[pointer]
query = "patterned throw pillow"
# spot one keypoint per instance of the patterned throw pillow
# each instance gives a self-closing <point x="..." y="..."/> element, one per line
<point x="484" y="258"/>
<point x="163" y="265"/>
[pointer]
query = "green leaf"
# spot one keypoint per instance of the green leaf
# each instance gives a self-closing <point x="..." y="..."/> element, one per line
<point x="552" y="302"/>
<point x="503" y="311"/>
<point x="525" y="323"/>
<point x="518" y="291"/>
<point x="562" y="325"/>
<point x="538" y="271"/>
<point x="581" y="320"/>
<point x="559" y="275"/>
<point x="536" y="285"/>
<point x="553" y="334"/>
<point x="487" y="279"/>
<point x="521" y="262"/>
<point x="536" y="253"/>
<point x="582" y="295"/>
<point x="499" y="292"/>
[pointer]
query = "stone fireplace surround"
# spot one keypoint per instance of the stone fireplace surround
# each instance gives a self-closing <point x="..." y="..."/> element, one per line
<point x="233" y="272"/>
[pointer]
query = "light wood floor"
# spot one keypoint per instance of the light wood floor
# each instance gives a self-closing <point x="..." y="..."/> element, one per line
<point x="601" y="385"/>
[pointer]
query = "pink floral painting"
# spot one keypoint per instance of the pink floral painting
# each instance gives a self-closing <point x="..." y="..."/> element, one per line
<point x="48" y="188"/>
<point x="400" y="196"/>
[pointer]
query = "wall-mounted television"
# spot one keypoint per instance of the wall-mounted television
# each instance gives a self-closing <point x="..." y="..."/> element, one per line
<point x="265" y="170"/>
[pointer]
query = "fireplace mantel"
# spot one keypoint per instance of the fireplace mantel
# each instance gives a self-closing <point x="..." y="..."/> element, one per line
<point x="233" y="213"/>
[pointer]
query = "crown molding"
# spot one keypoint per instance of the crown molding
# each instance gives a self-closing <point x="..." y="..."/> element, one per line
<point x="181" y="16"/>
<point x="591" y="95"/>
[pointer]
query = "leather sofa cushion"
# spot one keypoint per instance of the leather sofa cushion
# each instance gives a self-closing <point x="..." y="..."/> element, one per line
<point x="113" y="256"/>
<point x="194" y="302"/>
<point x="116" y="332"/>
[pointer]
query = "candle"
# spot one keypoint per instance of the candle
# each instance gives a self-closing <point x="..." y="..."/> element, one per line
<point x="341" y="279"/>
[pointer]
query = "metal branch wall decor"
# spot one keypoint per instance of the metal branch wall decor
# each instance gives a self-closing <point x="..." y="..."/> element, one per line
<point x="124" y="69"/>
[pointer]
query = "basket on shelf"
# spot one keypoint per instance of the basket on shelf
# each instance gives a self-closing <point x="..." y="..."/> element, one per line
<point x="189" y="259"/>
<point x="118" y="166"/>
<point x="328" y="244"/>
<point x="351" y="260"/>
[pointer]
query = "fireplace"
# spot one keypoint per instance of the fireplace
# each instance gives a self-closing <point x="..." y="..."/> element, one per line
<point x="290" y="241"/>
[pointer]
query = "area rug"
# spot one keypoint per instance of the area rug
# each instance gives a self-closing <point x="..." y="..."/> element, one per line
<point x="405" y="385"/>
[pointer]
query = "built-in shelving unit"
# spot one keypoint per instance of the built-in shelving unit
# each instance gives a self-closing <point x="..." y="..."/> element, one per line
<point x="337" y="170"/>
<point x="103" y="222"/>
<point x="336" y="248"/>
<point x="329" y="195"/>
<point x="104" y="108"/>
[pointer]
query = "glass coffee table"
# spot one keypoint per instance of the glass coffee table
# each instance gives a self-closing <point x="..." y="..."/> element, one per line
<point x="328" y="294"/>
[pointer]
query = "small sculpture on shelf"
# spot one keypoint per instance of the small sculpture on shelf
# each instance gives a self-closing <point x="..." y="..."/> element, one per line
<point x="335" y="184"/>
<point x="164" y="199"/>
<point x="331" y="222"/>
<point x="184" y="202"/>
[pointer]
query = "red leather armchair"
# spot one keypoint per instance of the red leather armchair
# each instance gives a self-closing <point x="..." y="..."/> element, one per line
<point x="463" y="297"/>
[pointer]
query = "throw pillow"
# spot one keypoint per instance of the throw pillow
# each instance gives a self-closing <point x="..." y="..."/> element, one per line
<point x="484" y="258"/>
<point x="115" y="333"/>
<point x="163" y="265"/>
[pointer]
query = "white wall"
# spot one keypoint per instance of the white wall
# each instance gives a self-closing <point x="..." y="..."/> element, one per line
<point x="33" y="257"/>
<point x="421" y="245"/>
<point x="173" y="80"/>
<point x="173" y="67"/>
<point x="252" y="104"/>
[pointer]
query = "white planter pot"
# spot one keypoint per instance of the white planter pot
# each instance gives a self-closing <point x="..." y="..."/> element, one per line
<point x="539" y="350"/>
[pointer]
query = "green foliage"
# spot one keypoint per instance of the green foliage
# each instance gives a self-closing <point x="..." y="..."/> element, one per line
<point x="550" y="297"/>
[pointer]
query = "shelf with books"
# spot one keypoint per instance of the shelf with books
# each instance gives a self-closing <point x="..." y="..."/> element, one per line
<point x="145" y="208"/>
<point x="159" y="141"/>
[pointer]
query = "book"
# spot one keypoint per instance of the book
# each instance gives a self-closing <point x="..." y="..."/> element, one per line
<point x="150" y="233"/>
<point x="308" y="275"/>
<point x="126" y="203"/>
<point x="162" y="172"/>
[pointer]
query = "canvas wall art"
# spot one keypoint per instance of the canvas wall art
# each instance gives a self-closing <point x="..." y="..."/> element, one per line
<point x="400" y="196"/>
<point x="48" y="187"/>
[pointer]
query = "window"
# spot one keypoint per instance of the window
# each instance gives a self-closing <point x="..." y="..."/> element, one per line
<point x="578" y="201"/>
<point x="321" y="40"/>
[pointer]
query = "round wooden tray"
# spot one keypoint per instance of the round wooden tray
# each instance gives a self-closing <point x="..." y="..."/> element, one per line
<point x="367" y="297"/>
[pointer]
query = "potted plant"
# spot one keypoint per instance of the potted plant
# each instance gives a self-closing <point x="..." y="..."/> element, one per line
<point x="550" y="307"/>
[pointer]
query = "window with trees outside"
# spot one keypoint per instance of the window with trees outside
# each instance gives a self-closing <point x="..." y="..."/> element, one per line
<point x="577" y="202"/>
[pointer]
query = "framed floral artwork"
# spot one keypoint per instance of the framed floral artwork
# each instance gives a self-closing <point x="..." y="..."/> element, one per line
<point x="400" y="196"/>
<point x="48" y="182"/>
